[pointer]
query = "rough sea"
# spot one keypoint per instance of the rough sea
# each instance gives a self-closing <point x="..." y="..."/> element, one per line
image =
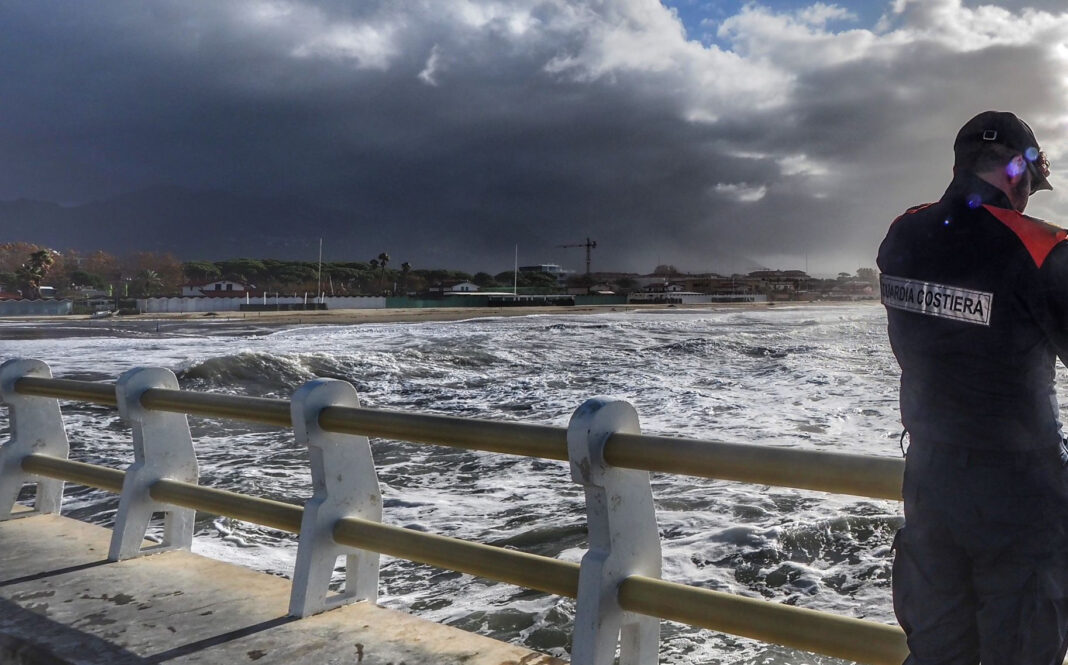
<point x="811" y="377"/>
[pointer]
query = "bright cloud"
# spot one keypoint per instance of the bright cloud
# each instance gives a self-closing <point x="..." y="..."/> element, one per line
<point x="801" y="165"/>
<point x="741" y="191"/>
<point x="365" y="46"/>
<point x="433" y="64"/>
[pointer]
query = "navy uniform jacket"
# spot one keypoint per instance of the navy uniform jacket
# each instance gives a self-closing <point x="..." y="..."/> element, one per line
<point x="976" y="296"/>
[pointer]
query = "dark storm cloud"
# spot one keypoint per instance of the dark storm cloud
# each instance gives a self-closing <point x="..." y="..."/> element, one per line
<point x="452" y="132"/>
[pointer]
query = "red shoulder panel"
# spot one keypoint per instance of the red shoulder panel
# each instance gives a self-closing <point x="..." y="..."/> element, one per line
<point x="1038" y="237"/>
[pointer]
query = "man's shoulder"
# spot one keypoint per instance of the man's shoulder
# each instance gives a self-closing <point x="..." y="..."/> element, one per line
<point x="914" y="210"/>
<point x="1037" y="235"/>
<point x="917" y="208"/>
<point x="1021" y="219"/>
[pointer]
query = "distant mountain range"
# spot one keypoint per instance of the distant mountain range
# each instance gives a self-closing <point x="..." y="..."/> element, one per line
<point x="191" y="224"/>
<point x="215" y="225"/>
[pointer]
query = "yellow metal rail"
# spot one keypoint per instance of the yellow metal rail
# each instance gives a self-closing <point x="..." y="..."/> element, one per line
<point x="90" y="475"/>
<point x="497" y="563"/>
<point x="85" y="391"/>
<point x="820" y="632"/>
<point x="843" y="637"/>
<point x="858" y="475"/>
<point x="840" y="473"/>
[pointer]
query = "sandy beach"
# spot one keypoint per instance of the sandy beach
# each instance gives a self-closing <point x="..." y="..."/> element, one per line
<point x="248" y="323"/>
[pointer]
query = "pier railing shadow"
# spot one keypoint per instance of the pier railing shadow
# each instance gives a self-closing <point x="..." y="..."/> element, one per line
<point x="618" y="587"/>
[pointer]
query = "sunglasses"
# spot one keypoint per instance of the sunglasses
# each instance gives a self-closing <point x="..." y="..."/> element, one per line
<point x="1038" y="165"/>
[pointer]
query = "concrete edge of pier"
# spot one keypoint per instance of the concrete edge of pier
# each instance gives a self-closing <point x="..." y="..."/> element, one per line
<point x="62" y="601"/>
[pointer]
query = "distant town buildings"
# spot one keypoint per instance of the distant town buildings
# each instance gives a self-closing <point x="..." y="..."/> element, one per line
<point x="217" y="288"/>
<point x="755" y="286"/>
<point x="453" y="286"/>
<point x="553" y="269"/>
<point x="95" y="284"/>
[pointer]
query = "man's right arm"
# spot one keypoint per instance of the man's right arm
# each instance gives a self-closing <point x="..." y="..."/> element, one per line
<point x="1054" y="295"/>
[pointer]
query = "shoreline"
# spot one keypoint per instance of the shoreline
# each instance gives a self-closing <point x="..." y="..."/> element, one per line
<point x="249" y="323"/>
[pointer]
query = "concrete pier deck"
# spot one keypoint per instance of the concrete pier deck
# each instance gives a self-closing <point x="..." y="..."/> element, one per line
<point x="62" y="602"/>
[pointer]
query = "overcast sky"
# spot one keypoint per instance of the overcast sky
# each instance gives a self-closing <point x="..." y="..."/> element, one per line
<point x="700" y="134"/>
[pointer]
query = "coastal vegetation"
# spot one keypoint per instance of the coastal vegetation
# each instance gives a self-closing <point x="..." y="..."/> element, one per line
<point x="33" y="272"/>
<point x="26" y="268"/>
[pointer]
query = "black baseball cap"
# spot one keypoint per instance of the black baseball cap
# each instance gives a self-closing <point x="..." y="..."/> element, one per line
<point x="1006" y="129"/>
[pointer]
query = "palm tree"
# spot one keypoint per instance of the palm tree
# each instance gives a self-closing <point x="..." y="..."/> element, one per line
<point x="382" y="262"/>
<point x="405" y="269"/>
<point x="150" y="282"/>
<point x="33" y="272"/>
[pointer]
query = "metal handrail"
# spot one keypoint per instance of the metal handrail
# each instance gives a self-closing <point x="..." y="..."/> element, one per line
<point x="820" y="632"/>
<point x="497" y="563"/>
<point x="265" y="512"/>
<point x="844" y="637"/>
<point x="208" y="405"/>
<point x="85" y="391"/>
<point x="852" y="639"/>
<point x="532" y="571"/>
<point x="90" y="475"/>
<point x="841" y="473"/>
<point x="486" y="435"/>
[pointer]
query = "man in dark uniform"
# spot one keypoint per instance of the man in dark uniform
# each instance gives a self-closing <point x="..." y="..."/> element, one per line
<point x="976" y="295"/>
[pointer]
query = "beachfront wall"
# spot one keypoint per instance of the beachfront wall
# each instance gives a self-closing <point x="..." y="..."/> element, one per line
<point x="207" y="304"/>
<point x="398" y="302"/>
<point x="35" y="307"/>
<point x="687" y="298"/>
<point x="585" y="300"/>
<point x="183" y="305"/>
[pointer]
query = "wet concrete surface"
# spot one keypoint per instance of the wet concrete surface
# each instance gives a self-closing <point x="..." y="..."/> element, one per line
<point x="62" y="602"/>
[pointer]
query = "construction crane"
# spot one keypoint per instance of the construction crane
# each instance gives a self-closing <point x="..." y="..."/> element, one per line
<point x="589" y="244"/>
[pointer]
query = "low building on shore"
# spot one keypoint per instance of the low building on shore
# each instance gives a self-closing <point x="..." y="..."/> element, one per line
<point x="262" y="303"/>
<point x="22" y="307"/>
<point x="223" y="288"/>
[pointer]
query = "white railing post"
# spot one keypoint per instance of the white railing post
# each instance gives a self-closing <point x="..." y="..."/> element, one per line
<point x="345" y="484"/>
<point x="623" y="540"/>
<point x="163" y="448"/>
<point x="36" y="427"/>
